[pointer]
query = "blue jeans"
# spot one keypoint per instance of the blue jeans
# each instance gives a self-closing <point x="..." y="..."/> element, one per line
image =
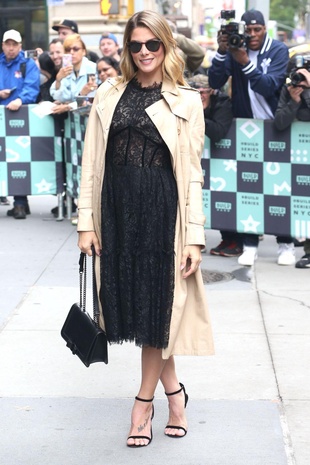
<point x="20" y="200"/>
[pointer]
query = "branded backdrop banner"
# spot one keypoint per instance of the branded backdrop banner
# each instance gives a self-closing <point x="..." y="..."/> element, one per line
<point x="30" y="153"/>
<point x="257" y="179"/>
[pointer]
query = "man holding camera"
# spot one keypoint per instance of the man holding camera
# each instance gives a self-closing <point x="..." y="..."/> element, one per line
<point x="257" y="65"/>
<point x="19" y="85"/>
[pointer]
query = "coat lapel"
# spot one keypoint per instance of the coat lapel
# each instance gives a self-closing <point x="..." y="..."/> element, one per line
<point x="166" y="124"/>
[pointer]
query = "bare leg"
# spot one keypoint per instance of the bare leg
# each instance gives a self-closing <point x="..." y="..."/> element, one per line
<point x="152" y="365"/>
<point x="176" y="402"/>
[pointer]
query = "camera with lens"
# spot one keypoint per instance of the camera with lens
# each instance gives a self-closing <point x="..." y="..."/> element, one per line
<point x="301" y="62"/>
<point x="237" y="36"/>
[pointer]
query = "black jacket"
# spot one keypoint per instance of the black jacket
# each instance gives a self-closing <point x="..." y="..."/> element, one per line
<point x="218" y="116"/>
<point x="288" y="110"/>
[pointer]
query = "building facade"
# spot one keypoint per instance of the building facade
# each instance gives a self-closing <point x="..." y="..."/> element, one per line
<point x="34" y="18"/>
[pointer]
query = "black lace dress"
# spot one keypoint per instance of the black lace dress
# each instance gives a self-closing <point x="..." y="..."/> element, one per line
<point x="138" y="205"/>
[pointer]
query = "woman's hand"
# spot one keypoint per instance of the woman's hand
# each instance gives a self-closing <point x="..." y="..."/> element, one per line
<point x="191" y="259"/>
<point x="64" y="72"/>
<point x="86" y="240"/>
<point x="89" y="87"/>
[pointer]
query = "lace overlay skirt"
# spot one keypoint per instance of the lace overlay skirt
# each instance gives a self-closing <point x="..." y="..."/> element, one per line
<point x="137" y="263"/>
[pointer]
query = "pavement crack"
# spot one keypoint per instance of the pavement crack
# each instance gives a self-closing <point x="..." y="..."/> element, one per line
<point x="292" y="299"/>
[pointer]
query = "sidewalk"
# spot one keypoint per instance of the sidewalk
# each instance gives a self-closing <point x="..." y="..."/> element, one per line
<point x="249" y="404"/>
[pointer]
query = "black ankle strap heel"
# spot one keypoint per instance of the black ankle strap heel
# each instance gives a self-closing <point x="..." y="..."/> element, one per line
<point x="144" y="400"/>
<point x="148" y="438"/>
<point x="182" y="388"/>
<point x="177" y="392"/>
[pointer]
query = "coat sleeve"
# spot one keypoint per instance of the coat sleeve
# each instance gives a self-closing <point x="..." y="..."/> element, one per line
<point x="31" y="84"/>
<point x="85" y="202"/>
<point x="219" y="71"/>
<point x="195" y="218"/>
<point x="194" y="53"/>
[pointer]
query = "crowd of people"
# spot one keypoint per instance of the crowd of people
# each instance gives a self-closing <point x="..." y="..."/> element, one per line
<point x="253" y="76"/>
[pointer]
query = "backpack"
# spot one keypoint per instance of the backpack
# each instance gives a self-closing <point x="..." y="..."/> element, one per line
<point x="23" y="69"/>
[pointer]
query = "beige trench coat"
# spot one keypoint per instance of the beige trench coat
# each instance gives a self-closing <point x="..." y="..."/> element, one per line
<point x="178" y="117"/>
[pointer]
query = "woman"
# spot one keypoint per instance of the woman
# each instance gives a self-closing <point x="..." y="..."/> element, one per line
<point x="217" y="108"/>
<point x="294" y="102"/>
<point x="106" y="68"/>
<point x="141" y="207"/>
<point x="294" y="105"/>
<point x="72" y="79"/>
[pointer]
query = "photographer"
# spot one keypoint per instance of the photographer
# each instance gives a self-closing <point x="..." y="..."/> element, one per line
<point x="294" y="101"/>
<point x="294" y="104"/>
<point x="257" y="65"/>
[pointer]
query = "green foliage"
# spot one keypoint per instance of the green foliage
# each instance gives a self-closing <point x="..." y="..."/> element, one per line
<point x="284" y="11"/>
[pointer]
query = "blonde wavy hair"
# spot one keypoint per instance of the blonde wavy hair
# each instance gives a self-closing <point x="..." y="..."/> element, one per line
<point x="173" y="64"/>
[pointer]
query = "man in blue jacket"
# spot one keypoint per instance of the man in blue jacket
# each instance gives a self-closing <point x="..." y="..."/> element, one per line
<point x="19" y="85"/>
<point x="258" y="72"/>
<point x="258" y="69"/>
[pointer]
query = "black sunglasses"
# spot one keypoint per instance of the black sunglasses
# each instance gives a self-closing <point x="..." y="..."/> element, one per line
<point x="152" y="45"/>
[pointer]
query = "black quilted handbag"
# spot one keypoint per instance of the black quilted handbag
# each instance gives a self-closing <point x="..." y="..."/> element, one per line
<point x="81" y="332"/>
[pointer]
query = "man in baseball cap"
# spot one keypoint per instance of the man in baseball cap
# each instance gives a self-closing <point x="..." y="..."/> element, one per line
<point x="12" y="35"/>
<point x="66" y="27"/>
<point x="253" y="17"/>
<point x="19" y="85"/>
<point x="109" y="46"/>
<point x="258" y="70"/>
<point x="16" y="37"/>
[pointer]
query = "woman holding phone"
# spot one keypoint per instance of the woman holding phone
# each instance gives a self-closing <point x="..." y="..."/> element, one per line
<point x="72" y="79"/>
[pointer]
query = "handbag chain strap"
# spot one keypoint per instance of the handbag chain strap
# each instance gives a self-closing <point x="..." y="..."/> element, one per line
<point x="95" y="291"/>
<point x="82" y="270"/>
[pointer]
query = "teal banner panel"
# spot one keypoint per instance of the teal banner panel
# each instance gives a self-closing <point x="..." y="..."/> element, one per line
<point x="30" y="153"/>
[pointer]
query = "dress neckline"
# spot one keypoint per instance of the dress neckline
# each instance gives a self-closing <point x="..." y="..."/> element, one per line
<point x="137" y="85"/>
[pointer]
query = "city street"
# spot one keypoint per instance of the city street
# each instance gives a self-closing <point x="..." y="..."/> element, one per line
<point x="248" y="405"/>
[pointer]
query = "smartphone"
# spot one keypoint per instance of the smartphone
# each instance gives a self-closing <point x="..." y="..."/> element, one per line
<point x="66" y="59"/>
<point x="31" y="54"/>
<point x="12" y="90"/>
<point x="91" y="78"/>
